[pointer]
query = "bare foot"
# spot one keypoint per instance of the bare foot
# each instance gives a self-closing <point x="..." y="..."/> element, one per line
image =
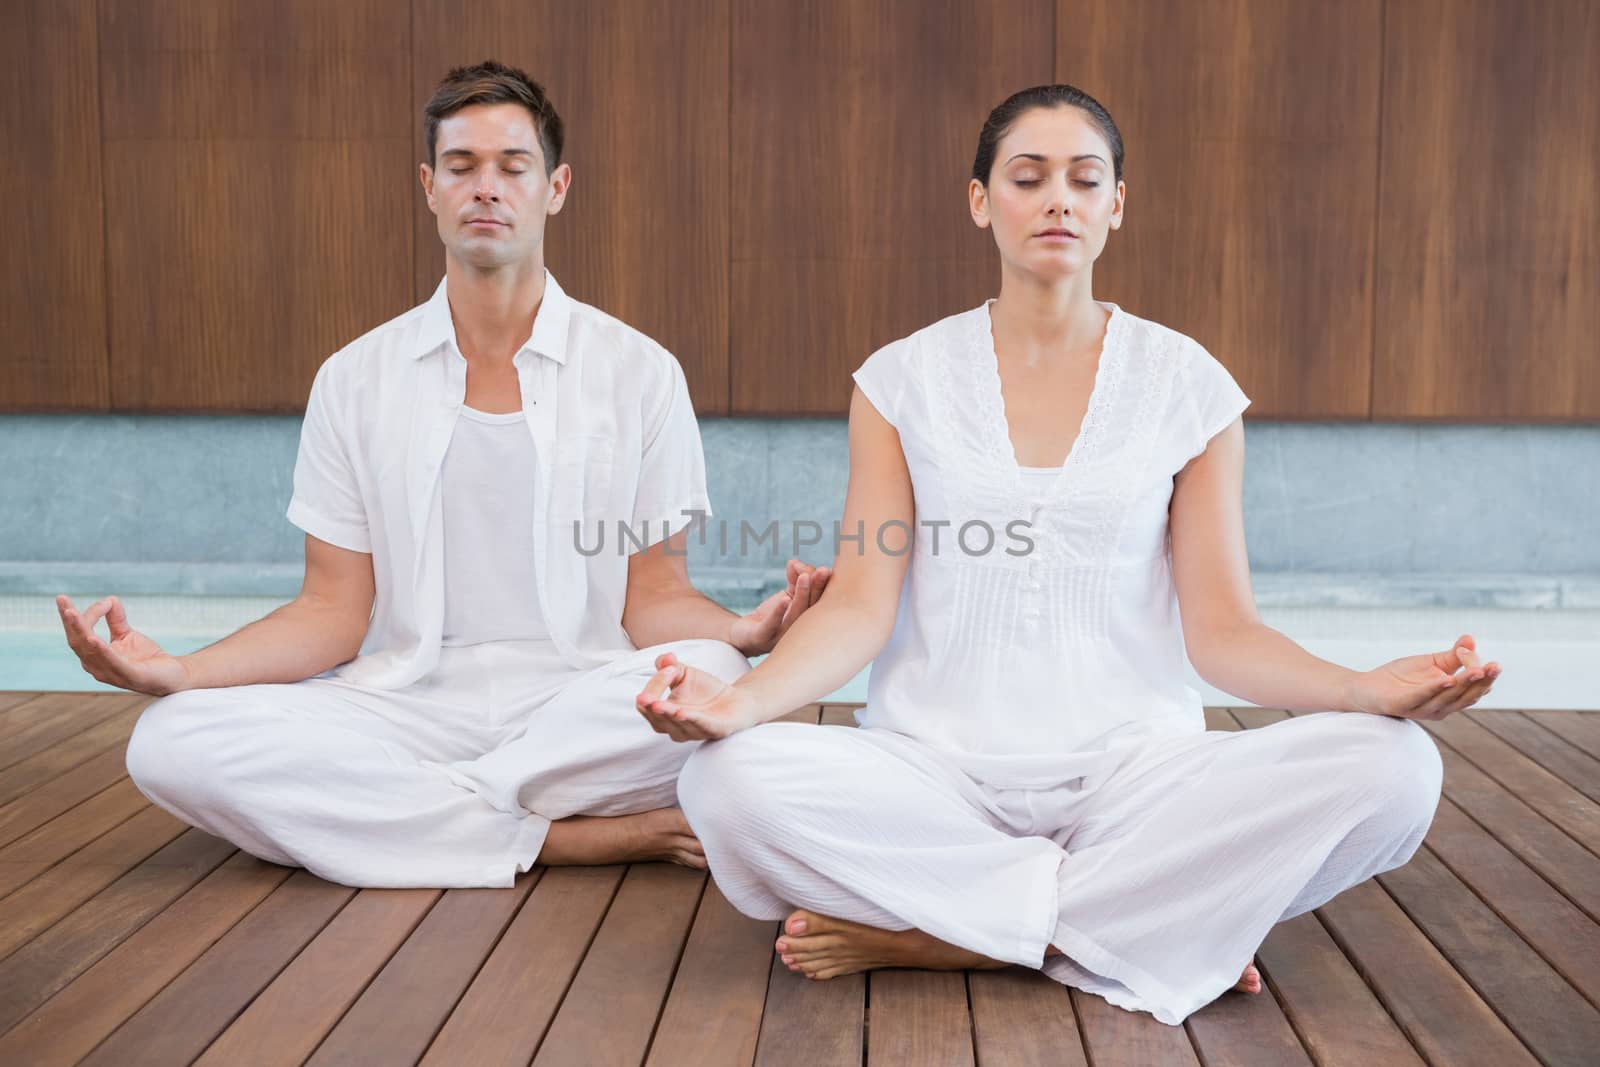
<point x="1250" y="980"/>
<point x="588" y="840"/>
<point x="820" y="947"/>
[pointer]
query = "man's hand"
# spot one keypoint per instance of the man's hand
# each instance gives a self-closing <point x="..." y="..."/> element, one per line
<point x="1430" y="686"/>
<point x="130" y="660"/>
<point x="688" y="704"/>
<point x="759" y="632"/>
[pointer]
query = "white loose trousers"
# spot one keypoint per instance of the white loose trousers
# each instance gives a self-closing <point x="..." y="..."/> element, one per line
<point x="1157" y="874"/>
<point x="450" y="782"/>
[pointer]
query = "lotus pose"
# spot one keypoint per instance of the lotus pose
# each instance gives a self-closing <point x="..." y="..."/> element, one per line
<point x="450" y="697"/>
<point x="1033" y="782"/>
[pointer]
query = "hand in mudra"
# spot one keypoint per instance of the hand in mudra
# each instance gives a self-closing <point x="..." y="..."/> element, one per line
<point x="687" y="704"/>
<point x="757" y="633"/>
<point x="130" y="660"/>
<point x="1429" y="686"/>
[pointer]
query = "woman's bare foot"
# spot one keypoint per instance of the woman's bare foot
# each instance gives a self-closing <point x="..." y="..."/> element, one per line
<point x="820" y="947"/>
<point x="588" y="840"/>
<point x="1250" y="980"/>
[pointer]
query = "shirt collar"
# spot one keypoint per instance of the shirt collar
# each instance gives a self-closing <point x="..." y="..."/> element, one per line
<point x="549" y="336"/>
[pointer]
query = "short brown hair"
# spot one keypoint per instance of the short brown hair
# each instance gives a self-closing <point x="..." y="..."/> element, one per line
<point x="493" y="83"/>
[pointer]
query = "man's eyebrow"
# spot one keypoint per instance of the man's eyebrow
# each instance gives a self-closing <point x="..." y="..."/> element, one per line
<point x="1037" y="158"/>
<point x="470" y="154"/>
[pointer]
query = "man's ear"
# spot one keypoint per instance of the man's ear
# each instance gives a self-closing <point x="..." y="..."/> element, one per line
<point x="560" y="182"/>
<point x="426" y="174"/>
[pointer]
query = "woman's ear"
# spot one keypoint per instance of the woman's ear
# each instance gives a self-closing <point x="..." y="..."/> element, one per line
<point x="978" y="203"/>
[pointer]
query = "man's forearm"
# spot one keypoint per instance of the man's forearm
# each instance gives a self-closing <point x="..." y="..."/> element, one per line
<point x="295" y="642"/>
<point x="684" y="616"/>
<point x="1261" y="665"/>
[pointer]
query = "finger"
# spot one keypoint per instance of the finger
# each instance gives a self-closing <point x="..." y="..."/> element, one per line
<point x="1443" y="696"/>
<point x="659" y="684"/>
<point x="96" y="612"/>
<point x="117" y="619"/>
<point x="1428" y="697"/>
<point x="1467" y="697"/>
<point x="666" y="659"/>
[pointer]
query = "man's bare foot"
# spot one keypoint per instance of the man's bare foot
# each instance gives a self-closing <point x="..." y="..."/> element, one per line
<point x="820" y="947"/>
<point x="1250" y="980"/>
<point x="591" y="840"/>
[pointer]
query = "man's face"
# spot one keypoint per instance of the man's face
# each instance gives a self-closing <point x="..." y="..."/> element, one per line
<point x="488" y="187"/>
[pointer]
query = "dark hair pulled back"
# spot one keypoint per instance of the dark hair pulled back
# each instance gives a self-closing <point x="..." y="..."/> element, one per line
<point x="1003" y="117"/>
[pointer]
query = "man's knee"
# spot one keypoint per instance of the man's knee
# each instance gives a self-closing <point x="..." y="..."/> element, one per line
<point x="166" y="754"/>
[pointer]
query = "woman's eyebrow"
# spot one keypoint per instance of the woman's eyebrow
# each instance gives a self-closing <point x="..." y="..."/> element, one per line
<point x="1037" y="158"/>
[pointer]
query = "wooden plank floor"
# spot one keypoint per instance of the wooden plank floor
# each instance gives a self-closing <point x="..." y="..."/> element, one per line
<point x="126" y="938"/>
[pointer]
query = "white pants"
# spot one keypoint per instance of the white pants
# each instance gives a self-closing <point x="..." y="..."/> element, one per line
<point x="1158" y="882"/>
<point x="451" y="782"/>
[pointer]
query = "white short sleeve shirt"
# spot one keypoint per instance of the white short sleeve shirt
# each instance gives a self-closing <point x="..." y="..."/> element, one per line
<point x="1063" y="630"/>
<point x="615" y="440"/>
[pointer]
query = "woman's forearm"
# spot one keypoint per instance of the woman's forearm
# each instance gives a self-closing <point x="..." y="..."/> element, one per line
<point x="1257" y="663"/>
<point x="824" y="649"/>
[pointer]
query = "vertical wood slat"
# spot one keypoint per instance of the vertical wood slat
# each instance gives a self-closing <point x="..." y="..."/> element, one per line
<point x="616" y="997"/>
<point x="713" y="1011"/>
<point x="1252" y="169"/>
<point x="507" y="1009"/>
<point x="812" y="1024"/>
<point x="68" y="1027"/>
<point x="642" y="89"/>
<point x="177" y="1024"/>
<point x="257" y="220"/>
<point x="1540" y="1007"/>
<point x="53" y="304"/>
<point x="1024" y="1019"/>
<point x="1549" y="750"/>
<point x="919" y="1017"/>
<point x="397" y="1016"/>
<point x="853" y="130"/>
<point x="1489" y="216"/>
<point x="286" y="1022"/>
<point x="56" y="892"/>
<point x="1118" y="1038"/>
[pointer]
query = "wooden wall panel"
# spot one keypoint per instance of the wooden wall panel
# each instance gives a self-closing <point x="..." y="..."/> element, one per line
<point x="1489" y="248"/>
<point x="258" y="157"/>
<point x="52" y="304"/>
<point x="642" y="88"/>
<point x="1251" y="136"/>
<point x="854" y="127"/>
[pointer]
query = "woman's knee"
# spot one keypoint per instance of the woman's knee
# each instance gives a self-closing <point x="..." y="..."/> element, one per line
<point x="1397" y="764"/>
<point x="736" y="781"/>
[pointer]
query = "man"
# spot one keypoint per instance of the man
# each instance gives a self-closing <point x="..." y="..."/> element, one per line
<point x="483" y="714"/>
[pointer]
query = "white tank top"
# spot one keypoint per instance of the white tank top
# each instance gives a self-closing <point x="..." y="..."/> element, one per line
<point x="487" y="486"/>
<point x="1017" y="657"/>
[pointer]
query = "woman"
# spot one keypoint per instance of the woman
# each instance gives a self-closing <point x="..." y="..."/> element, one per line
<point x="1033" y="782"/>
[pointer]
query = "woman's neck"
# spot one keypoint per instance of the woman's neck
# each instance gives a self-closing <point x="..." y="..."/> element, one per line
<point x="1039" y="319"/>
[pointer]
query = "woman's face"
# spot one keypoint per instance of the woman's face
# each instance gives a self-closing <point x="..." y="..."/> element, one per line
<point x="1051" y="197"/>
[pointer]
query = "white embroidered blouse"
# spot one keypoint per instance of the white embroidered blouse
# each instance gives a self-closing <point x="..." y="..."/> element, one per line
<point x="1016" y="661"/>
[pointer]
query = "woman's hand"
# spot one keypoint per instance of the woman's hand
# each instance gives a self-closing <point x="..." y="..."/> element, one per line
<point x="688" y="704"/>
<point x="757" y="633"/>
<point x="1429" y="686"/>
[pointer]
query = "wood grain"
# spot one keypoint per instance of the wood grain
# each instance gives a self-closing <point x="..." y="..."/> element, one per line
<point x="1489" y="214"/>
<point x="1252" y="170"/>
<point x="854" y="127"/>
<point x="257" y="221"/>
<point x="53" y="305"/>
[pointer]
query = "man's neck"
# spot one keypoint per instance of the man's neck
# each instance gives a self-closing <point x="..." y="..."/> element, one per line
<point x="493" y="311"/>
